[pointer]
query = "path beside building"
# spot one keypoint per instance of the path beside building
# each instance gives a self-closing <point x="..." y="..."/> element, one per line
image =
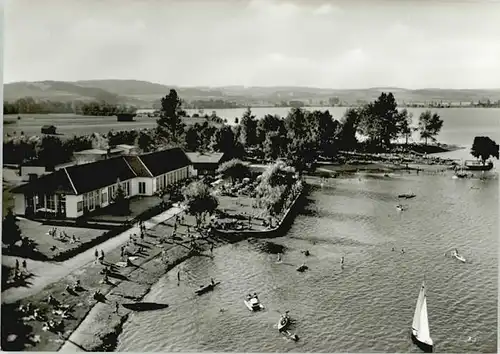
<point x="46" y="273"/>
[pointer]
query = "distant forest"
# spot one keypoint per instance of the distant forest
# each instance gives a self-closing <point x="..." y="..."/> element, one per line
<point x="29" y="105"/>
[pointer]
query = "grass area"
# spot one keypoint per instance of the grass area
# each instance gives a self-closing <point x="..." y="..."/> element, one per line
<point x="39" y="233"/>
<point x="69" y="124"/>
<point x="127" y="284"/>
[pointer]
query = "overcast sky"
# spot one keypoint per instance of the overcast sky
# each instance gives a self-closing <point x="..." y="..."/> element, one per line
<point x="334" y="44"/>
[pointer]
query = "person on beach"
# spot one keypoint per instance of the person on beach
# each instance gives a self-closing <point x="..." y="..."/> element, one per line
<point x="117" y="307"/>
<point x="25" y="265"/>
<point x="402" y="250"/>
<point x="212" y="280"/>
<point x="96" y="254"/>
<point x="17" y="264"/>
<point x="212" y="248"/>
<point x="178" y="275"/>
<point x="102" y="254"/>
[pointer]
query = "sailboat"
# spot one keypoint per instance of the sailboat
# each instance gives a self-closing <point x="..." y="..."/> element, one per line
<point x="420" y="332"/>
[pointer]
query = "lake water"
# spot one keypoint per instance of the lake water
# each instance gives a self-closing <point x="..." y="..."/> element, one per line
<point x="368" y="306"/>
<point x="460" y="124"/>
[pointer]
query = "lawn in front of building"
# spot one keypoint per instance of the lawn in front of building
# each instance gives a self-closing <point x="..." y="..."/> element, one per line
<point x="50" y="246"/>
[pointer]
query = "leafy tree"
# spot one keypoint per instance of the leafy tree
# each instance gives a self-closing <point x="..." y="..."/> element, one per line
<point x="248" y="124"/>
<point x="224" y="140"/>
<point x="234" y="170"/>
<point x="170" y="125"/>
<point x="325" y="129"/>
<point x="483" y="148"/>
<point x="121" y="203"/>
<point x="269" y="124"/>
<point x="273" y="145"/>
<point x="349" y="126"/>
<point x="10" y="230"/>
<point x="405" y="127"/>
<point x="146" y="142"/>
<point x="192" y="138"/>
<point x="52" y="151"/>
<point x="381" y="120"/>
<point x="199" y="201"/>
<point x="429" y="125"/>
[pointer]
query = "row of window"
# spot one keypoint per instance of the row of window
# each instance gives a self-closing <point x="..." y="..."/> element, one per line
<point x="95" y="199"/>
<point x="169" y="178"/>
<point x="48" y="201"/>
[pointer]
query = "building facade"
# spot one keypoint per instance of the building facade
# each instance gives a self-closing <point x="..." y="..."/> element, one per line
<point x="72" y="191"/>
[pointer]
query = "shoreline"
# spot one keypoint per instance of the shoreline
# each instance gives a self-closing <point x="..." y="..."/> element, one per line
<point x="99" y="330"/>
<point x="85" y="336"/>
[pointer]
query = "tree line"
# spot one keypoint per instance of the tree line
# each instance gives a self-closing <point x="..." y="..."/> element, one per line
<point x="299" y="137"/>
<point x="29" y="105"/>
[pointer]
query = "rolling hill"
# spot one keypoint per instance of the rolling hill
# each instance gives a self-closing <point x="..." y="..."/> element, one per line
<point x="143" y="93"/>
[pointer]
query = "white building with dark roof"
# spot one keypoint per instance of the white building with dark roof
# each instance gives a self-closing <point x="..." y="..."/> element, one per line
<point x="72" y="191"/>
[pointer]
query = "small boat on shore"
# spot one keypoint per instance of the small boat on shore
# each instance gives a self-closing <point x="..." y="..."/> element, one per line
<point x="206" y="288"/>
<point x="302" y="268"/>
<point x="472" y="165"/>
<point x="253" y="303"/>
<point x="284" y="322"/>
<point x="145" y="306"/>
<point x="420" y="332"/>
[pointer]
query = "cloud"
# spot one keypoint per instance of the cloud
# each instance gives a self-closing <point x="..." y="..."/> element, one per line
<point x="326" y="9"/>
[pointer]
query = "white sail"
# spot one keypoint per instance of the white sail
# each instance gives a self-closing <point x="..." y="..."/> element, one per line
<point x="424" y="332"/>
<point x="416" y="316"/>
<point x="420" y="320"/>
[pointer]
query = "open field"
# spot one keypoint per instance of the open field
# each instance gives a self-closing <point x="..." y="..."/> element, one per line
<point x="71" y="124"/>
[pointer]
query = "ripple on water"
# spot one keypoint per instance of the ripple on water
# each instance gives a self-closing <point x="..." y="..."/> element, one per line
<point x="365" y="307"/>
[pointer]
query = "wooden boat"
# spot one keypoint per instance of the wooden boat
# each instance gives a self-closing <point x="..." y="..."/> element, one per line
<point x="253" y="304"/>
<point x="302" y="268"/>
<point x="206" y="288"/>
<point x="420" y="332"/>
<point x="284" y="322"/>
<point x="145" y="306"/>
<point x="408" y="195"/>
<point x="472" y="165"/>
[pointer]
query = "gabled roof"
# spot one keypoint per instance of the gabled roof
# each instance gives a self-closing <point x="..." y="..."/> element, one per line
<point x="96" y="175"/>
<point x="138" y="166"/>
<point x="80" y="179"/>
<point x="57" y="182"/>
<point x="207" y="157"/>
<point x="164" y="161"/>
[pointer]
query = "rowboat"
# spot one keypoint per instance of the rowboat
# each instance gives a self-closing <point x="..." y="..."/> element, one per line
<point x="283" y="322"/>
<point x="472" y="165"/>
<point x="302" y="268"/>
<point x="206" y="288"/>
<point x="253" y="304"/>
<point x="144" y="306"/>
<point x="420" y="332"/>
